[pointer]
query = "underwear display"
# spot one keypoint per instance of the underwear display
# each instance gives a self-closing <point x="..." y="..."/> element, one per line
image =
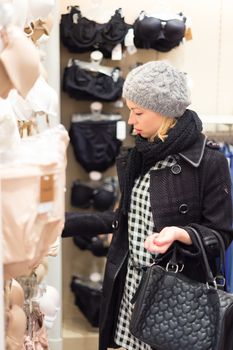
<point x="16" y="293"/>
<point x="96" y="245"/>
<point x="43" y="98"/>
<point x="7" y="84"/>
<point x="40" y="98"/>
<point x="81" y="84"/>
<point x="79" y="34"/>
<point x="92" y="223"/>
<point x="19" y="58"/>
<point x="16" y="328"/>
<point x="9" y="135"/>
<point x="158" y="34"/>
<point x="101" y="197"/>
<point x="35" y="337"/>
<point x="37" y="186"/>
<point x="95" y="143"/>
<point x="87" y="298"/>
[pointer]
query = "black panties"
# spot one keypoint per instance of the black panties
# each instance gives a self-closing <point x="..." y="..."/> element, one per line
<point x="95" y="144"/>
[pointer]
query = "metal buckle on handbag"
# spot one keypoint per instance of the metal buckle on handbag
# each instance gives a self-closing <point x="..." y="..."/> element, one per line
<point x="212" y="284"/>
<point x="174" y="267"/>
<point x="220" y="281"/>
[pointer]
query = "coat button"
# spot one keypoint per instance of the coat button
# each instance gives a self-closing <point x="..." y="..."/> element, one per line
<point x="176" y="169"/>
<point x="183" y="208"/>
<point x="115" y="224"/>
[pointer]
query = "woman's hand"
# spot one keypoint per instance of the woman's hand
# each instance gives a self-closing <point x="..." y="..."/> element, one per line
<point x="160" y="242"/>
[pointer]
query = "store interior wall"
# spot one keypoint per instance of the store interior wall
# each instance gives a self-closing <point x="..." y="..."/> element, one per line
<point x="207" y="59"/>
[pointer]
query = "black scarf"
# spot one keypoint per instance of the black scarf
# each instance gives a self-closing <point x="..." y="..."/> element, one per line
<point x="145" y="154"/>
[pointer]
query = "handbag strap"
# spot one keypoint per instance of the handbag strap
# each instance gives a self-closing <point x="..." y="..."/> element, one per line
<point x="222" y="250"/>
<point x="208" y="273"/>
<point x="221" y="273"/>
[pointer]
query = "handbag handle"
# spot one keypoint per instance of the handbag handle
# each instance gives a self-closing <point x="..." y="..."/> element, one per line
<point x="208" y="273"/>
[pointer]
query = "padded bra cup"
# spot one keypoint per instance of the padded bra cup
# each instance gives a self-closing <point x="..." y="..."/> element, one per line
<point x="161" y="35"/>
<point x="102" y="198"/>
<point x="85" y="32"/>
<point x="115" y="30"/>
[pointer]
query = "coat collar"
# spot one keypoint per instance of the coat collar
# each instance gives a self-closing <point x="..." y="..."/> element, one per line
<point x="194" y="154"/>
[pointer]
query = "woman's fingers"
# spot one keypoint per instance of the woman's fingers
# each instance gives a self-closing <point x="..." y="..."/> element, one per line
<point x="160" y="242"/>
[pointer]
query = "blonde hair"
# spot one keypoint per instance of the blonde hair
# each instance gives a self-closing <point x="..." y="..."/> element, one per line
<point x="162" y="133"/>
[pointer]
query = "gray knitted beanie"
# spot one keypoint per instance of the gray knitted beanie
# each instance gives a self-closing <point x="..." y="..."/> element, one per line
<point x="158" y="86"/>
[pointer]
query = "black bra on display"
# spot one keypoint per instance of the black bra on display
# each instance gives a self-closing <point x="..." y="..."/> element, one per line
<point x="155" y="33"/>
<point x="102" y="197"/>
<point x="79" y="34"/>
<point x="87" y="297"/>
<point x="84" y="85"/>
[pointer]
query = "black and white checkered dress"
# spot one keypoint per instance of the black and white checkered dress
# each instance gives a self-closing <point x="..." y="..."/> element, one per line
<point x="140" y="225"/>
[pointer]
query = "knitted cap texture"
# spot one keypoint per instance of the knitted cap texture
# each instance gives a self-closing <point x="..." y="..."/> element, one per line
<point x="158" y="86"/>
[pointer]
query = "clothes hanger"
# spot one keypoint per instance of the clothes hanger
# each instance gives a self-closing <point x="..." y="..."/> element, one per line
<point x="27" y="128"/>
<point x="163" y="16"/>
<point x="95" y="115"/>
<point x="94" y="66"/>
<point x="29" y="285"/>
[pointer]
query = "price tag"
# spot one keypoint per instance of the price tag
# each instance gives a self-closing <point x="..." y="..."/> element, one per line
<point x="121" y="130"/>
<point x="188" y="34"/>
<point x="46" y="188"/>
<point x="117" y="53"/>
<point x="46" y="194"/>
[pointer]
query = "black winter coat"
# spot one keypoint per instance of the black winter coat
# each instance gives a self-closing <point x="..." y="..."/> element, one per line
<point x="194" y="192"/>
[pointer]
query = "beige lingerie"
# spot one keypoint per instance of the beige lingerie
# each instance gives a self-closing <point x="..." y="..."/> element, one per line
<point x="21" y="62"/>
<point x="31" y="224"/>
<point x="16" y="328"/>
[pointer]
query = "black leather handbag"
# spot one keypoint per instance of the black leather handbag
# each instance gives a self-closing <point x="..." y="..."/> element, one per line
<point x="173" y="312"/>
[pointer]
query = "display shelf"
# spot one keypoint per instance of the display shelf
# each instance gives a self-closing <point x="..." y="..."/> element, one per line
<point x="78" y="334"/>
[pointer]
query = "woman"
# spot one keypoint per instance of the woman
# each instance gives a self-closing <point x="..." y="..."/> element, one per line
<point x="173" y="179"/>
